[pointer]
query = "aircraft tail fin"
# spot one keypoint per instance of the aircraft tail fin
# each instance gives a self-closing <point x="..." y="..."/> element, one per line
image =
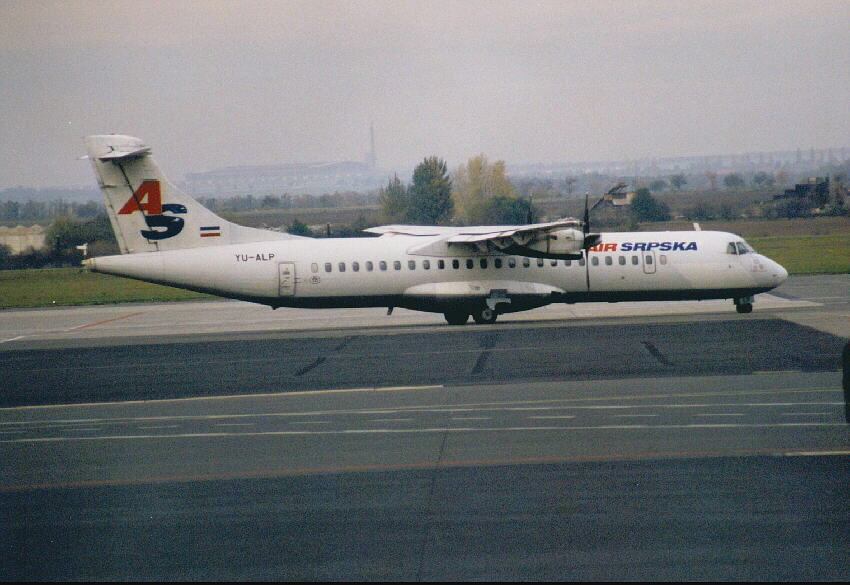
<point x="150" y="214"/>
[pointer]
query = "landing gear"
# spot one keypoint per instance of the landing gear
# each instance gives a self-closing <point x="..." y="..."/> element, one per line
<point x="456" y="317"/>
<point x="485" y="316"/>
<point x="744" y="305"/>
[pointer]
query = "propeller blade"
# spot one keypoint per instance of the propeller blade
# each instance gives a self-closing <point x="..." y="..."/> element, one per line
<point x="586" y="227"/>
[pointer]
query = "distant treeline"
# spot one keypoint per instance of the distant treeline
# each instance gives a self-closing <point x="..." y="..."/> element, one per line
<point x="33" y="210"/>
<point x="287" y="201"/>
<point x="61" y="240"/>
<point x="80" y="195"/>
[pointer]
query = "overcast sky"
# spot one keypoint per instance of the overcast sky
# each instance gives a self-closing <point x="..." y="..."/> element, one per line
<point x="212" y="83"/>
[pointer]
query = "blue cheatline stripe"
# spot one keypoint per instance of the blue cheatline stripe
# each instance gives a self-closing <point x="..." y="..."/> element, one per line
<point x="210" y="228"/>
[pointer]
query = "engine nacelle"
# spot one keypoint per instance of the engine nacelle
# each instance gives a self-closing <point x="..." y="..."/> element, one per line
<point x="566" y="244"/>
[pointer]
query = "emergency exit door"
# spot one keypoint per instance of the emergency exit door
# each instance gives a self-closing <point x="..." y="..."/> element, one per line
<point x="287" y="279"/>
<point x="648" y="261"/>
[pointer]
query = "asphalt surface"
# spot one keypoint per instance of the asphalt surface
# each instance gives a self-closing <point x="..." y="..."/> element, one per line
<point x="455" y="356"/>
<point x="603" y="445"/>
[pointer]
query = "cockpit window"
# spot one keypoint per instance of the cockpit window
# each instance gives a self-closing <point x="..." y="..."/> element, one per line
<point x="738" y="248"/>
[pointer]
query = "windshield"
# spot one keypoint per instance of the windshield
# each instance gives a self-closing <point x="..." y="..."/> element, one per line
<point x="739" y="247"/>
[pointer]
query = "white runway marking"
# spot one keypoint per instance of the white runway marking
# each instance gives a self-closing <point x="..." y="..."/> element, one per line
<point x="427" y="430"/>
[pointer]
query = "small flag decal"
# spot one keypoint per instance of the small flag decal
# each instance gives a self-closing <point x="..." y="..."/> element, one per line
<point x="210" y="231"/>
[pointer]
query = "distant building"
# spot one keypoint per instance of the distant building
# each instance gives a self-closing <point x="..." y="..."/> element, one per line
<point x="20" y="238"/>
<point x="618" y="197"/>
<point x="295" y="178"/>
<point x="816" y="189"/>
<point x="312" y="178"/>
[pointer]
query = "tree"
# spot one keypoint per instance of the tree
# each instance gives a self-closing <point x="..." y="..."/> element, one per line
<point x="394" y="200"/>
<point x="678" y="181"/>
<point x="299" y="228"/>
<point x="5" y="257"/>
<point x="645" y="207"/>
<point x="476" y="186"/>
<point x="430" y="193"/>
<point x="733" y="181"/>
<point x="763" y="179"/>
<point x="507" y="211"/>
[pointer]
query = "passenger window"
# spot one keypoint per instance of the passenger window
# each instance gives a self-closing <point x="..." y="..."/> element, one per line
<point x="540" y="262"/>
<point x="455" y="264"/>
<point x="355" y="266"/>
<point x="314" y="268"/>
<point x="662" y="259"/>
<point x="369" y="266"/>
<point x="497" y="262"/>
<point x="568" y="263"/>
<point x="411" y="264"/>
<point x="396" y="265"/>
<point x="511" y="262"/>
<point x="483" y="262"/>
<point x="382" y="265"/>
<point x="553" y="262"/>
<point x="648" y="259"/>
<point x="426" y="264"/>
<point x="342" y="266"/>
<point x="470" y="263"/>
<point x="526" y="262"/>
<point x="595" y="260"/>
<point x="581" y="262"/>
<point x="608" y="261"/>
<point x="441" y="264"/>
<point x="634" y="260"/>
<point x="622" y="260"/>
<point x="328" y="267"/>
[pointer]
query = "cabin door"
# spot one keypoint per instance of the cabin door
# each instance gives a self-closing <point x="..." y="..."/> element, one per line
<point x="287" y="279"/>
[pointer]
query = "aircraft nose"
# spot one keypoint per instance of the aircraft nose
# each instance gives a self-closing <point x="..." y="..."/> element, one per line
<point x="776" y="272"/>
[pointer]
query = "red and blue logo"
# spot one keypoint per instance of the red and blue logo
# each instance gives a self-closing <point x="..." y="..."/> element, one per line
<point x="644" y="247"/>
<point x="148" y="199"/>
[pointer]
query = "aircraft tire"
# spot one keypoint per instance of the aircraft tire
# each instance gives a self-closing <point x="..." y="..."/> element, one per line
<point x="485" y="316"/>
<point x="456" y="317"/>
<point x="744" y="308"/>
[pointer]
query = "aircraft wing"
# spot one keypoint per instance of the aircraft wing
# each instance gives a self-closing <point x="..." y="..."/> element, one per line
<point x="562" y="238"/>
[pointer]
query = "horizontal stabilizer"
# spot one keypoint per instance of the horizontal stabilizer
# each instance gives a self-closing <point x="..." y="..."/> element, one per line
<point x="126" y="154"/>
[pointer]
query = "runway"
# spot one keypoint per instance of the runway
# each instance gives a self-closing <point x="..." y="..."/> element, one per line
<point x="157" y="442"/>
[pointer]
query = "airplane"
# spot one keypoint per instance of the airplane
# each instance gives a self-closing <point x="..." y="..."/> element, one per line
<point x="166" y="237"/>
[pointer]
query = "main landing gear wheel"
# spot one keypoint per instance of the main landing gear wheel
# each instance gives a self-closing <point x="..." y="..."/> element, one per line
<point x="744" y="304"/>
<point x="485" y="316"/>
<point x="456" y="317"/>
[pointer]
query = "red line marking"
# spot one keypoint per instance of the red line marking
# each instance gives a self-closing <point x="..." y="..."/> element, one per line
<point x="105" y="321"/>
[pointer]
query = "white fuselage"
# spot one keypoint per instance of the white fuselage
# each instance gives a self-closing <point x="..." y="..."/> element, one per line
<point x="420" y="272"/>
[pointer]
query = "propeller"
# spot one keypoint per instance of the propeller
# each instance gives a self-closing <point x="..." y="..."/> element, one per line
<point x="590" y="240"/>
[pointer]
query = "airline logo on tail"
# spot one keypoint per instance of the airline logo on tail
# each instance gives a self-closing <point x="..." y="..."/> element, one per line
<point x="148" y="199"/>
